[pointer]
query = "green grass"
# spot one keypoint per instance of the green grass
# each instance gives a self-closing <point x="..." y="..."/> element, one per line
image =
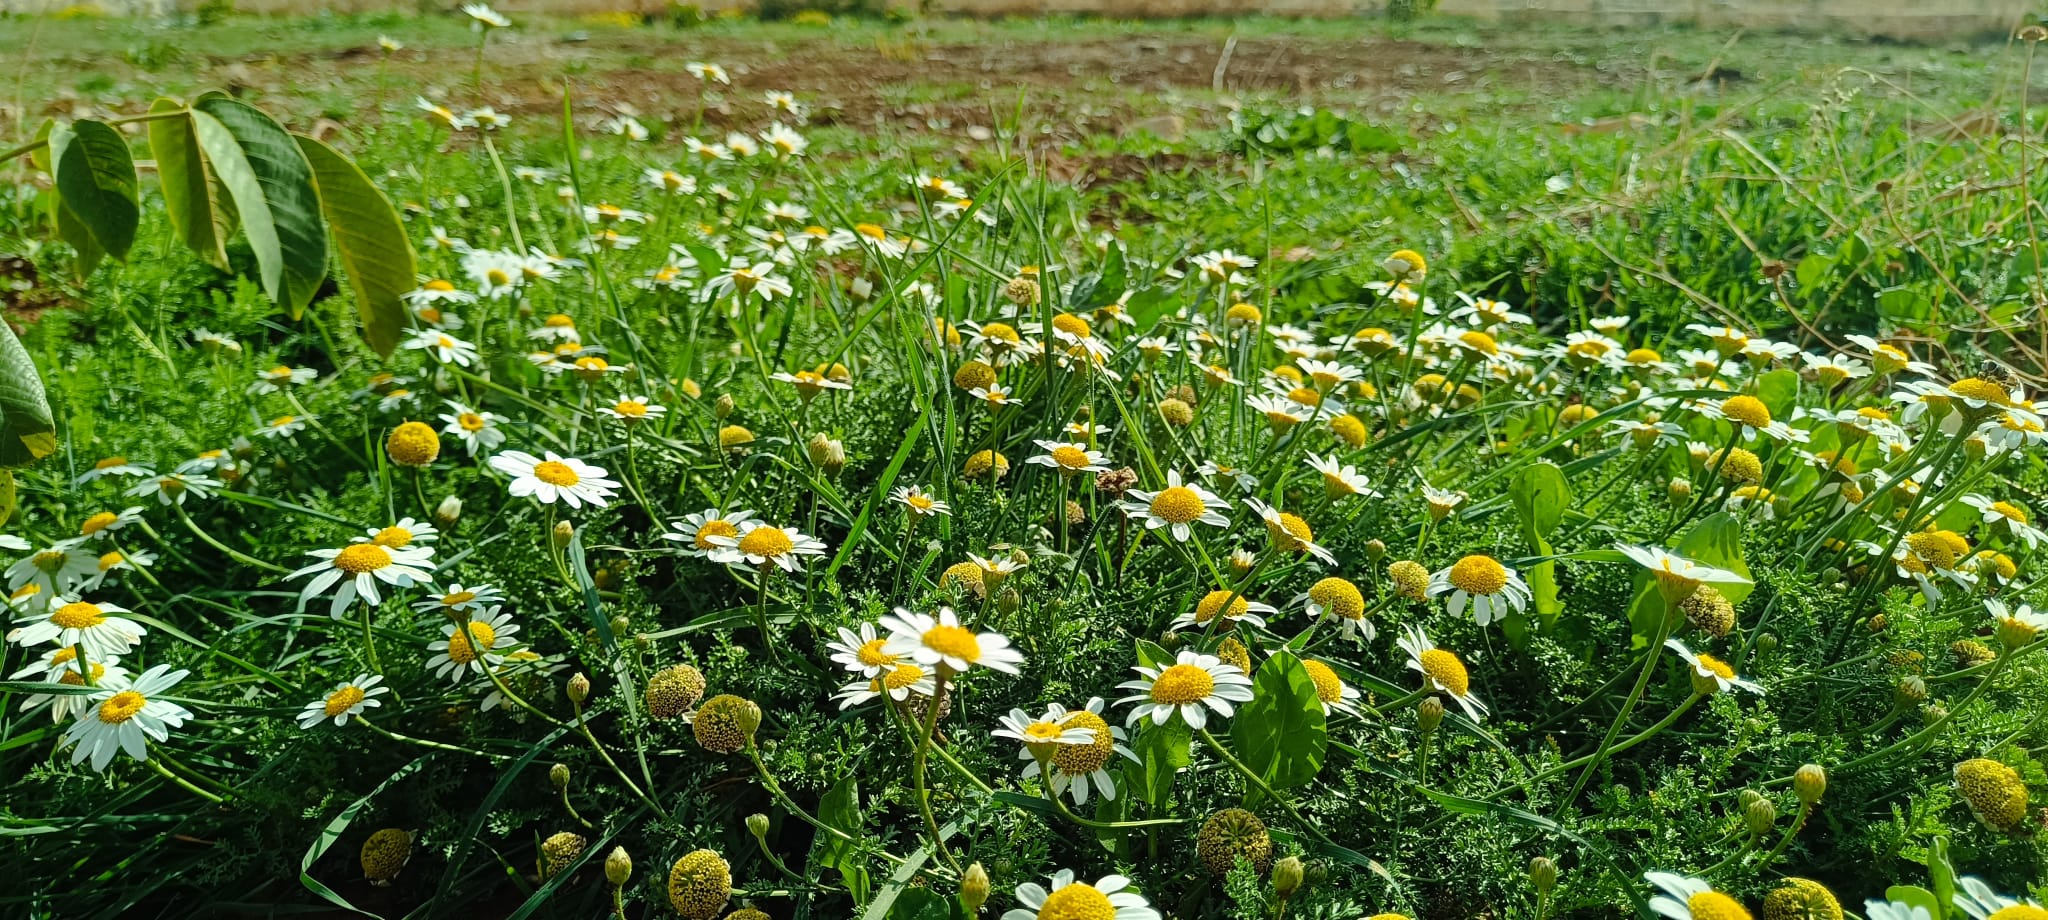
<point x="1834" y="189"/>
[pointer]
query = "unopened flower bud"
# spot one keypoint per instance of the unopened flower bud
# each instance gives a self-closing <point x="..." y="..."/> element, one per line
<point x="721" y="408"/>
<point x="578" y="688"/>
<point x="757" y="824"/>
<point x="559" y="776"/>
<point x="1759" y="816"/>
<point x="1287" y="875"/>
<point x="1766" y="643"/>
<point x="1679" y="490"/>
<point x="827" y="454"/>
<point x="1910" y="690"/>
<point x="618" y="867"/>
<point x="1543" y="874"/>
<point x="620" y="624"/>
<point x="1933" y="714"/>
<point x="1428" y="715"/>
<point x="1241" y="562"/>
<point x="448" y="512"/>
<point x="974" y="888"/>
<point x="1375" y="549"/>
<point x="563" y="531"/>
<point x="1008" y="601"/>
<point x="1810" y="783"/>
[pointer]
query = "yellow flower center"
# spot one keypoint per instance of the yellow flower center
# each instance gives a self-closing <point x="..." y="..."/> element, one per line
<point x="343" y="700"/>
<point x="1713" y="905"/>
<point x="457" y="598"/>
<point x="1983" y="390"/>
<point x="715" y="528"/>
<point x="2020" y="912"/>
<point x="1329" y="687"/>
<point x="1289" y="532"/>
<point x="50" y="560"/>
<point x="1077" y="901"/>
<point x="1182" y="684"/>
<point x="1069" y="457"/>
<point x="1479" y="342"/>
<point x="1178" y="505"/>
<point x="121" y="707"/>
<point x="109" y="463"/>
<point x="871" y="654"/>
<point x="2011" y="511"/>
<point x="393" y="536"/>
<point x="1001" y="333"/>
<point x="105" y="519"/>
<point x="901" y="676"/>
<point x="1747" y="410"/>
<point x="358" y="558"/>
<point x="871" y="231"/>
<point x="1212" y="604"/>
<point x="1072" y="325"/>
<point x="109" y="560"/>
<point x="71" y="677"/>
<point x="461" y="651"/>
<point x="953" y="642"/>
<point x="1479" y="575"/>
<point x="1717" y="666"/>
<point x="1044" y="731"/>
<point x="1643" y="357"/>
<point x="280" y="372"/>
<point x="555" y="473"/>
<point x="78" y="615"/>
<point x="283" y="421"/>
<point x="1933" y="549"/>
<point x="631" y="408"/>
<point x="1446" y="670"/>
<point x="470" y="421"/>
<point x="766" y="541"/>
<point x="438" y="285"/>
<point x="1338" y="597"/>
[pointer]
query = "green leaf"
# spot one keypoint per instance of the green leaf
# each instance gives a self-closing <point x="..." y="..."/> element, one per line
<point x="196" y="203"/>
<point x="1163" y="751"/>
<point x="1915" y="896"/>
<point x="919" y="904"/>
<point x="1281" y="734"/>
<point x="27" y="433"/>
<point x="1541" y="496"/>
<point x="1779" y="390"/>
<point x="1942" y="873"/>
<point x="371" y="241"/>
<point x="272" y="187"/>
<point x="840" y="808"/>
<point x="97" y="192"/>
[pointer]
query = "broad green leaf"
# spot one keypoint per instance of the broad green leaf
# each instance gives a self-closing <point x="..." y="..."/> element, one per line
<point x="1942" y="873"/>
<point x="272" y="187"/>
<point x="98" y="202"/>
<point x="1779" y="390"/>
<point x="1916" y="896"/>
<point x="919" y="904"/>
<point x="27" y="433"/>
<point x="1163" y="751"/>
<point x="200" y="214"/>
<point x="1281" y="734"/>
<point x="840" y="808"/>
<point x="370" y="240"/>
<point x="1541" y="496"/>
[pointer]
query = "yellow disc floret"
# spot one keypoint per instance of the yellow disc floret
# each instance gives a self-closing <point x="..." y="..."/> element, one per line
<point x="413" y="444"/>
<point x="1478" y="575"/>
<point x="1182" y="684"/>
<point x="1338" y="597"/>
<point x="699" y="884"/>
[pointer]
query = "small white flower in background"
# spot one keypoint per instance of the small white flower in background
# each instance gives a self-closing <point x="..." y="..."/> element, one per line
<point x="897" y="682"/>
<point x="628" y="127"/>
<point x="349" y="698"/>
<point x="280" y="377"/>
<point x="284" y="426"/>
<point x="477" y="430"/>
<point x="1709" y="673"/>
<point x="357" y="569"/>
<point x="59" y="666"/>
<point x="921" y="504"/>
<point x="125" y="720"/>
<point x="485" y="17"/>
<point x="444" y="348"/>
<point x="472" y="645"/>
<point x="171" y="489"/>
<point x="556" y="477"/>
<point x="110" y="466"/>
<point x="670" y="181"/>
<point x="457" y="600"/>
<point x="861" y="652"/>
<point x="707" y="72"/>
<point x="55" y="570"/>
<point x="697" y="530"/>
<point x="758" y="544"/>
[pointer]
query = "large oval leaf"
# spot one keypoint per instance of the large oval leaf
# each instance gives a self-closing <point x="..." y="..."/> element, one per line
<point x="370" y="240"/>
<point x="200" y="211"/>
<point x="272" y="187"/>
<point x="26" y="432"/>
<point x="1281" y="733"/>
<point x="97" y="199"/>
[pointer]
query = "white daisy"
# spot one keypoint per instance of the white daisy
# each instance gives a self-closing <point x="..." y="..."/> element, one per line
<point x="457" y="600"/>
<point x="567" y="479"/>
<point x="56" y="570"/>
<point x="1491" y="588"/>
<point x="1078" y="767"/>
<point x="1192" y="682"/>
<point x="59" y="667"/>
<point x="941" y="641"/>
<point x="124" y="720"/>
<point x="1710" y="674"/>
<point x="698" y="529"/>
<point x="1981" y="902"/>
<point x="1441" y="670"/>
<point x="1110" y="898"/>
<point x="476" y="429"/>
<point x="349" y="698"/>
<point x="458" y="651"/>
<point x="1177" y="508"/>
<point x="898" y="682"/>
<point x="921" y="505"/>
<point x="172" y="488"/>
<point x="357" y="569"/>
<point x="111" y="466"/>
<point x="862" y="652"/>
<point x="758" y="544"/>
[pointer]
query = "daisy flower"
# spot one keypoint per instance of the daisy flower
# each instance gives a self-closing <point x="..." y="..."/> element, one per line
<point x="281" y="377"/>
<point x="1177" y="508"/>
<point x="1331" y="690"/>
<point x="124" y="720"/>
<point x="356" y="569"/>
<point x="1982" y="903"/>
<point x="284" y="426"/>
<point x="862" y="652"/>
<point x="707" y="72"/>
<point x="1441" y="670"/>
<point x="59" y="666"/>
<point x="476" y="429"/>
<point x="809" y="384"/>
<point x="71" y="622"/>
<point x="1107" y="899"/>
<point x="445" y="348"/>
<point x="1078" y="767"/>
<point x="437" y="291"/>
<point x="111" y="466"/>
<point x="458" y="600"/>
<point x="1070" y="458"/>
<point x="1492" y="588"/>
<point x="921" y="504"/>
<point x="1887" y="359"/>
<point x="941" y="641"/>
<point x="349" y="698"/>
<point x="699" y="530"/>
<point x="1341" y="481"/>
<point x="568" y="479"/>
<point x="741" y="277"/>
<point x="404" y="533"/>
<point x="1192" y="682"/>
<point x="632" y="410"/>
<point x="1288" y="532"/>
<point x="115" y="561"/>
<point x="171" y="489"/>
<point x="758" y="544"/>
<point x="1213" y="605"/>
<point x="1042" y="734"/>
<point x="1677" y="575"/>
<point x="1339" y="600"/>
<point x="55" y="570"/>
<point x="485" y="17"/>
<point x="1685" y="898"/>
<point x="670" y="181"/>
<point x="1710" y="674"/>
<point x="457" y="652"/>
<point x="2006" y="516"/>
<point x="897" y="683"/>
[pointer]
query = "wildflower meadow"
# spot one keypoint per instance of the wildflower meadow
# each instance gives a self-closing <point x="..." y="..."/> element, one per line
<point x="455" y="473"/>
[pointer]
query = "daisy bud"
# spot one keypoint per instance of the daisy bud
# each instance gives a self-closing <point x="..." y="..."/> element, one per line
<point x="1428" y="715"/>
<point x="1008" y="601"/>
<point x="1241" y="562"/>
<point x="448" y="512"/>
<point x="722" y="408"/>
<point x="692" y="389"/>
<point x="559" y="776"/>
<point x="562" y="532"/>
<point x="1759" y="816"/>
<point x="974" y="888"/>
<point x="1543" y="874"/>
<point x="620" y="624"/>
<point x="1934" y="714"/>
<point x="1767" y="643"/>
<point x="578" y="688"/>
<point x="1809" y="783"/>
<point x="1287" y="875"/>
<point x="618" y="867"/>
<point x="757" y="824"/>
<point x="828" y="455"/>
<point x="1910" y="690"/>
<point x="1375" y="549"/>
<point x="1678" y="491"/>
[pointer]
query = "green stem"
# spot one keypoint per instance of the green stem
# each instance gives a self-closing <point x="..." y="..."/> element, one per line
<point x="1664" y="616"/>
<point x="1259" y="783"/>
